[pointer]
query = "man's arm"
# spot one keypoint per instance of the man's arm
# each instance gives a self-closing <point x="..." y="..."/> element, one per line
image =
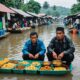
<point x="25" y="49"/>
<point x="43" y="49"/>
<point x="51" y="46"/>
<point x="71" y="48"/>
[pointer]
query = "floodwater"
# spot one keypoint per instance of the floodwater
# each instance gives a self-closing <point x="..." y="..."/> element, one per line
<point x="12" y="45"/>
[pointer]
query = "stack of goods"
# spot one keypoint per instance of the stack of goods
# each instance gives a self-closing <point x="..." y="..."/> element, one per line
<point x="13" y="61"/>
<point x="8" y="66"/>
<point x="33" y="67"/>
<point x="46" y="68"/>
<point x="59" y="69"/>
<point x="2" y="62"/>
<point x="57" y="62"/>
<point x="19" y="67"/>
<point x="23" y="62"/>
<point x="55" y="65"/>
<point x="35" y="63"/>
<point x="58" y="65"/>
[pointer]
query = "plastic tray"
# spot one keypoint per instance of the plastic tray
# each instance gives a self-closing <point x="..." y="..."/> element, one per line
<point x="25" y="61"/>
<point x="37" y="61"/>
<point x="18" y="71"/>
<point x="52" y="72"/>
<point x="33" y="71"/>
<point x="5" y="70"/>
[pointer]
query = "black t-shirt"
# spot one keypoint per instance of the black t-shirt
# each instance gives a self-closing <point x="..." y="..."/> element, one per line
<point x="33" y="48"/>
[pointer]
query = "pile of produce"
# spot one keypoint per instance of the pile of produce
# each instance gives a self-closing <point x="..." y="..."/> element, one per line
<point x="31" y="68"/>
<point x="24" y="66"/>
<point x="2" y="62"/>
<point x="23" y="62"/>
<point x="35" y="63"/>
<point x="45" y="68"/>
<point x="57" y="62"/>
<point x="46" y="63"/>
<point x="59" y="69"/>
<point x="19" y="67"/>
<point x="13" y="61"/>
<point x="8" y="66"/>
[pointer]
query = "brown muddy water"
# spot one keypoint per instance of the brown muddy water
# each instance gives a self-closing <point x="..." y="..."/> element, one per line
<point x="12" y="45"/>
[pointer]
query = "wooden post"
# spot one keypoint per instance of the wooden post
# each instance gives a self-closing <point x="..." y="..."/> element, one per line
<point x="3" y="21"/>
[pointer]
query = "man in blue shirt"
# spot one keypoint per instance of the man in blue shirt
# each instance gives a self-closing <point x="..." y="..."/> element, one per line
<point x="34" y="48"/>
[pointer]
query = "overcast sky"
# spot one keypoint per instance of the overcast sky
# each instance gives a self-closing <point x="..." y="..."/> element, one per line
<point x="64" y="3"/>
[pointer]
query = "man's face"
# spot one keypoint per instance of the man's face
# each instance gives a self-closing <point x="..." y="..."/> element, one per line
<point x="34" y="38"/>
<point x="60" y="35"/>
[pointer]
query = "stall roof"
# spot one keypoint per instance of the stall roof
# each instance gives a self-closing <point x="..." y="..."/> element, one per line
<point x="5" y="9"/>
<point x="49" y="16"/>
<point x="72" y="16"/>
<point x="42" y="15"/>
<point x="18" y="11"/>
<point x="32" y="14"/>
<point x="78" y="14"/>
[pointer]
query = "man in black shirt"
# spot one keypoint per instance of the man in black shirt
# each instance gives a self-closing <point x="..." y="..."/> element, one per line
<point x="61" y="47"/>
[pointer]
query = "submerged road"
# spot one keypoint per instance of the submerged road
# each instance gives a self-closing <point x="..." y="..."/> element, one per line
<point x="12" y="46"/>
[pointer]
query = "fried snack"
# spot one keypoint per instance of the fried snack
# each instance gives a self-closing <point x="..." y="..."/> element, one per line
<point x="31" y="68"/>
<point x="13" y="61"/>
<point x="48" y="68"/>
<point x="8" y="66"/>
<point x="20" y="67"/>
<point x="57" y="62"/>
<point x="59" y="69"/>
<point x="46" y="63"/>
<point x="3" y="61"/>
<point x="23" y="62"/>
<point x="35" y="63"/>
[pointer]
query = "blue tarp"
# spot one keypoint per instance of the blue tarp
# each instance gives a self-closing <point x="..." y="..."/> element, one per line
<point x="2" y="32"/>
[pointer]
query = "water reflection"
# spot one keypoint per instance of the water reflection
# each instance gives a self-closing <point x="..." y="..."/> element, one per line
<point x="33" y="77"/>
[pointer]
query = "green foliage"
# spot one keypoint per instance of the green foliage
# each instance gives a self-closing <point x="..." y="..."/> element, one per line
<point x="57" y="11"/>
<point x="24" y="7"/>
<point x="33" y="6"/>
<point x="2" y="1"/>
<point x="75" y="8"/>
<point x="54" y="7"/>
<point x="12" y="3"/>
<point x="45" y="5"/>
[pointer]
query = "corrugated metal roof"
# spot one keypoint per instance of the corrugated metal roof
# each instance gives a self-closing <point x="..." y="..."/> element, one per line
<point x="41" y="14"/>
<point x="33" y="14"/>
<point x="21" y="12"/>
<point x="3" y="8"/>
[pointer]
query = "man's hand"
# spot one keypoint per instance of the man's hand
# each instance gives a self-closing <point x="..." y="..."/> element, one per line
<point x="30" y="55"/>
<point x="36" y="56"/>
<point x="61" y="56"/>
<point x="54" y="55"/>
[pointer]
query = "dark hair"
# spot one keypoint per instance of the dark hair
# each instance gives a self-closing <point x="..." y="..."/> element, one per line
<point x="33" y="33"/>
<point x="60" y="29"/>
